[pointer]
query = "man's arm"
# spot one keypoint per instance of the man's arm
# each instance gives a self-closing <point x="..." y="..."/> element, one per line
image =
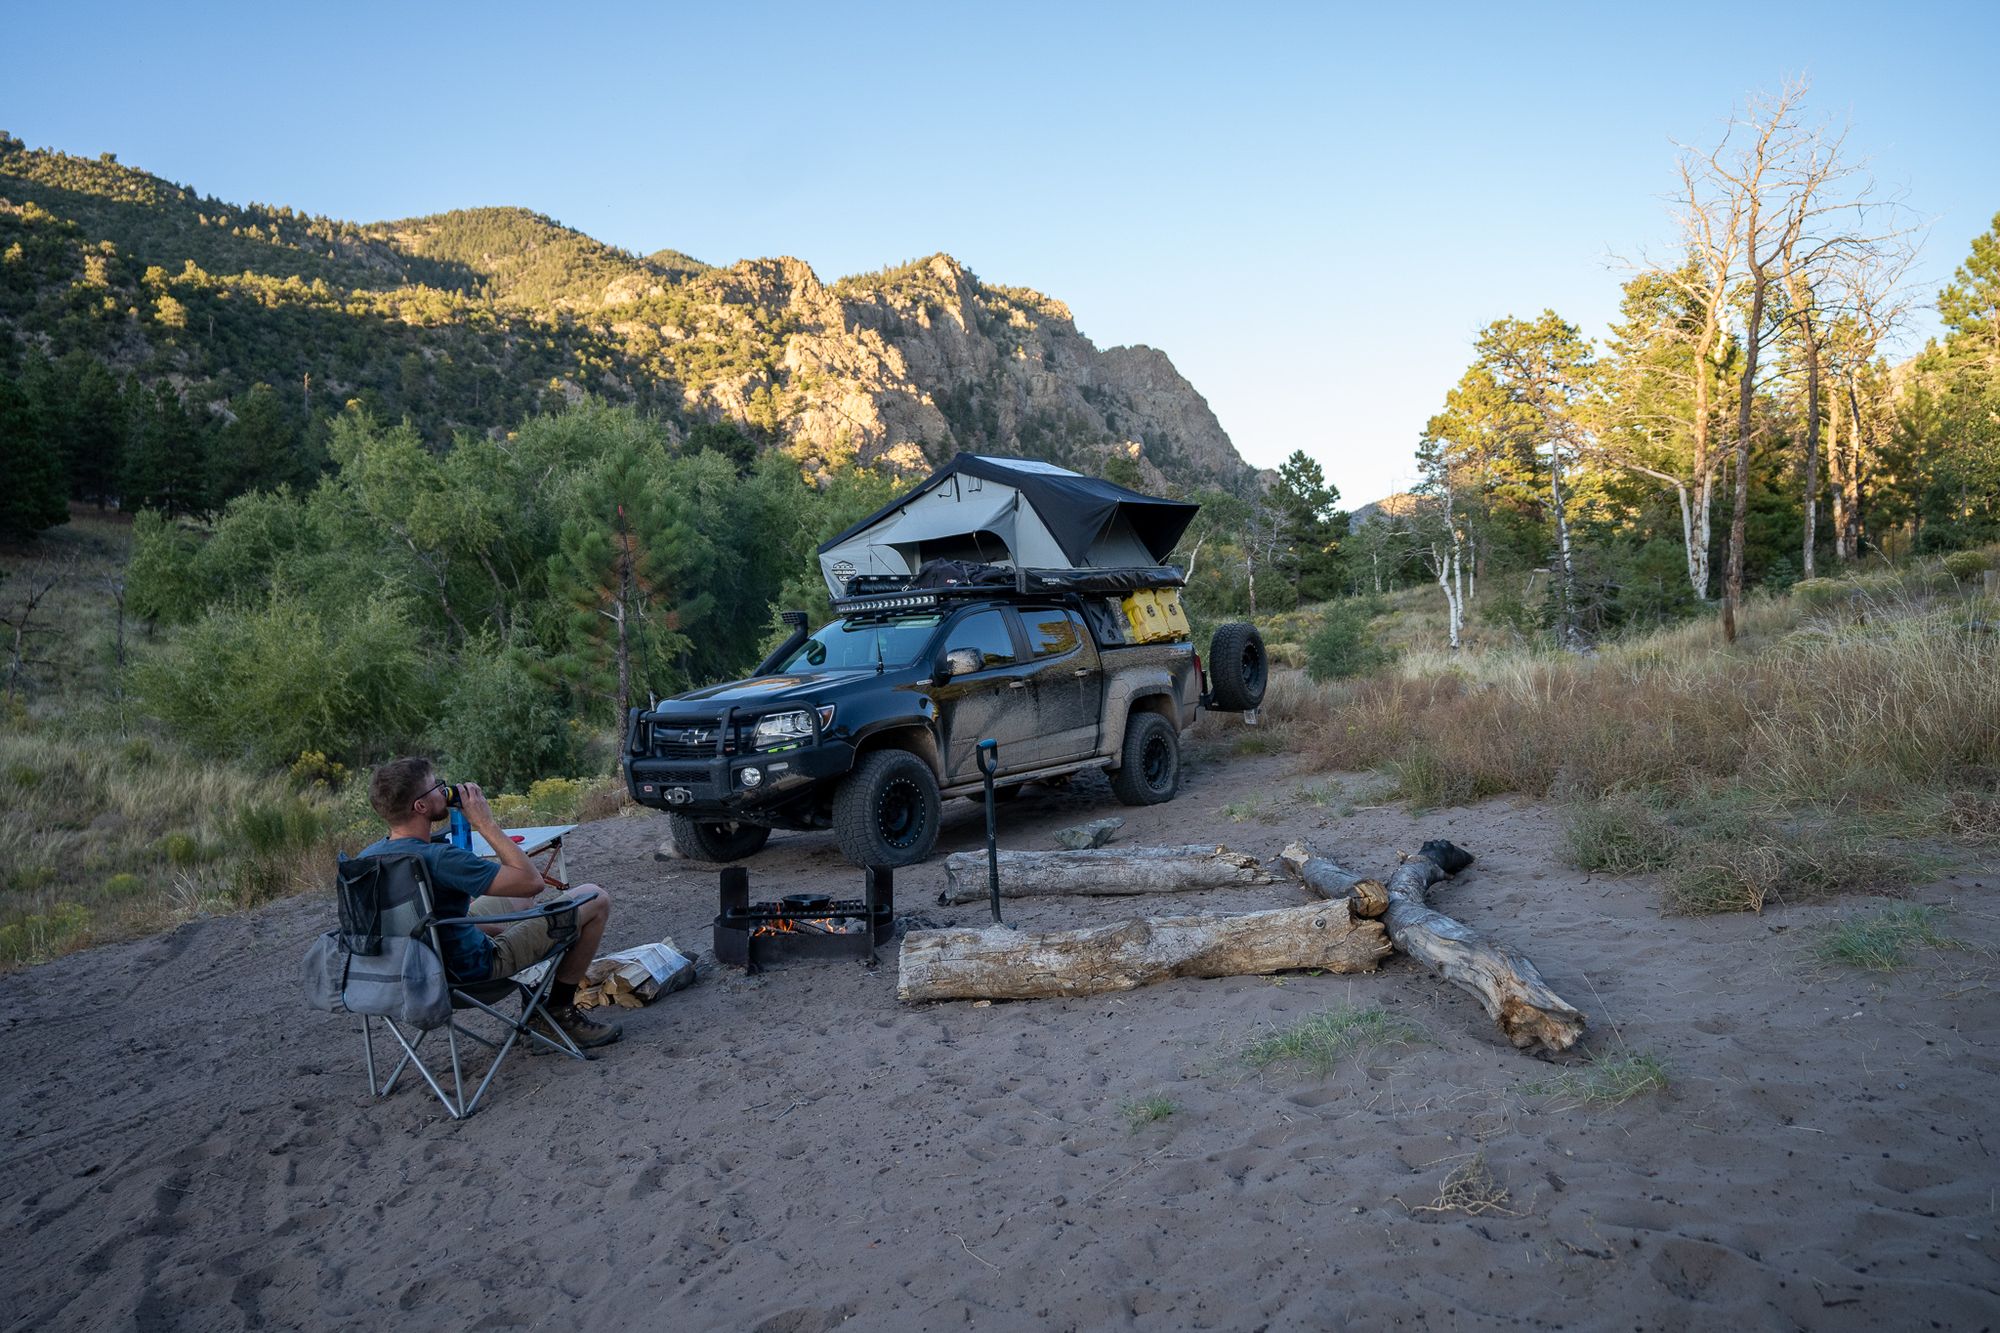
<point x="518" y="877"/>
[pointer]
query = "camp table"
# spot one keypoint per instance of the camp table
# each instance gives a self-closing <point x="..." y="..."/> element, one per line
<point x="543" y="840"/>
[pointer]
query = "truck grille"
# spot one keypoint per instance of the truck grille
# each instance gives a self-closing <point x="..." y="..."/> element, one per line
<point x="687" y="739"/>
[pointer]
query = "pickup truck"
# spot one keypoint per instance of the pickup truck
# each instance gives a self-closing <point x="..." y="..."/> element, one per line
<point x="866" y="726"/>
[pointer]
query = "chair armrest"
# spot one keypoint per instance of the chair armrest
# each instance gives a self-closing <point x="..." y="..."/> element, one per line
<point x="555" y="908"/>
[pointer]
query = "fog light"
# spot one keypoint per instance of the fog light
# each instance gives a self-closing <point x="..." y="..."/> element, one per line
<point x="752" y="776"/>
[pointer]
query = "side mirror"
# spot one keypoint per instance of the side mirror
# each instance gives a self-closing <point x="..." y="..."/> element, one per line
<point x="957" y="662"/>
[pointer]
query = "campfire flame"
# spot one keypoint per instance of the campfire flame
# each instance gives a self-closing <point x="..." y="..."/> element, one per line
<point x="810" y="925"/>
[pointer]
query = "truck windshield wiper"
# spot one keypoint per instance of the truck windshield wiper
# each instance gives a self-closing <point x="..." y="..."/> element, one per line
<point x="878" y="652"/>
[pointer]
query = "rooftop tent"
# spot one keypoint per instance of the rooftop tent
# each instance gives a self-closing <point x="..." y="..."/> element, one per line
<point x="1011" y="511"/>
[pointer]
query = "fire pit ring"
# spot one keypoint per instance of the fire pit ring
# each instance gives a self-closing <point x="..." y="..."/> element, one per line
<point x="803" y="927"/>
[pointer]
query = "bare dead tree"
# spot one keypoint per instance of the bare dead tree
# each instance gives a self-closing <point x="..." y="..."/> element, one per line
<point x="23" y="629"/>
<point x="1874" y="302"/>
<point x="1841" y="254"/>
<point x="1710" y="220"/>
<point x="1266" y="531"/>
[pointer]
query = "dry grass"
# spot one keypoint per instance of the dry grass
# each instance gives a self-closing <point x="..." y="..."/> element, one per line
<point x="1747" y="773"/>
<point x="1470" y="1188"/>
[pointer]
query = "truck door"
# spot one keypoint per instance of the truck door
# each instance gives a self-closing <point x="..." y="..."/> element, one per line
<point x="992" y="702"/>
<point x="1067" y="686"/>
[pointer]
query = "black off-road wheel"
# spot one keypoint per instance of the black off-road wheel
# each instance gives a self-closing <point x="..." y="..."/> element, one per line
<point x="718" y="843"/>
<point x="886" y="811"/>
<point x="1149" y="769"/>
<point x="1238" y="670"/>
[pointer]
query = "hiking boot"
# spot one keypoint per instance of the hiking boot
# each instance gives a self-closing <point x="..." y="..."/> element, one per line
<point x="579" y="1027"/>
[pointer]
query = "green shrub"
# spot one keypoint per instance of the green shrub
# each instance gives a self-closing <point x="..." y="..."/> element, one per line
<point x="269" y="683"/>
<point x="182" y="849"/>
<point x="278" y="827"/>
<point x="499" y="726"/>
<point x="123" y="886"/>
<point x="1342" y="646"/>
<point x="33" y="938"/>
<point x="314" y="769"/>
<point x="1966" y="566"/>
<point x="557" y="797"/>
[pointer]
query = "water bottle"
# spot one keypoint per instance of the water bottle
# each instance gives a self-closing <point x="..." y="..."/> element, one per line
<point x="461" y="829"/>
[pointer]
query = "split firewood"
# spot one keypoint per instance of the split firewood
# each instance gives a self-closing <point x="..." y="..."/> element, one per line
<point x="1107" y="871"/>
<point x="1507" y="984"/>
<point x="1365" y="897"/>
<point x="1001" y="964"/>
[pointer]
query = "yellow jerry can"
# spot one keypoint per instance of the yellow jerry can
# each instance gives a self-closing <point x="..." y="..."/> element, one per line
<point x="1155" y="616"/>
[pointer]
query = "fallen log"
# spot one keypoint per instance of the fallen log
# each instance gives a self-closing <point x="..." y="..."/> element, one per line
<point x="1000" y="964"/>
<point x="1365" y="897"/>
<point x="1103" y="872"/>
<point x="1531" y="1015"/>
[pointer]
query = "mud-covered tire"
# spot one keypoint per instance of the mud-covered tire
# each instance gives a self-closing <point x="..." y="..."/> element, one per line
<point x="716" y="843"/>
<point x="1238" y="668"/>
<point x="886" y="811"/>
<point x="1149" y="766"/>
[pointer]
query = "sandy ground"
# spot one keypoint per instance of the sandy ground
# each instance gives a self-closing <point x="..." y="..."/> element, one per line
<point x="184" y="1145"/>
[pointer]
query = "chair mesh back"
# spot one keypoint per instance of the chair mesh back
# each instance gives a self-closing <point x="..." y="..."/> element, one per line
<point x="381" y="896"/>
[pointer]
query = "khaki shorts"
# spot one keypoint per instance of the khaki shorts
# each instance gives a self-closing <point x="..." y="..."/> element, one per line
<point x="524" y="943"/>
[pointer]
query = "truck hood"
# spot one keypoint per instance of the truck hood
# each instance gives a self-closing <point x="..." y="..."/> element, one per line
<point x="763" y="690"/>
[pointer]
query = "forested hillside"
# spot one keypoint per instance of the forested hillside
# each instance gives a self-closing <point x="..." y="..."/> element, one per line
<point x="181" y="350"/>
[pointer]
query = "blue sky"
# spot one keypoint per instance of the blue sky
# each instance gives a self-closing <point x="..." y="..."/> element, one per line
<point x="1311" y="208"/>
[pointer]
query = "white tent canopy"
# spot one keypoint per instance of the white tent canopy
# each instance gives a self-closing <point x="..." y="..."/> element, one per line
<point x="1008" y="511"/>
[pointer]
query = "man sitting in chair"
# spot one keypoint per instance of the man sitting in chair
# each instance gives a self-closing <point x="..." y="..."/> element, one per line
<point x="410" y="796"/>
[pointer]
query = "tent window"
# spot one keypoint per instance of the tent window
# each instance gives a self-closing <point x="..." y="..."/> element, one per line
<point x="978" y="548"/>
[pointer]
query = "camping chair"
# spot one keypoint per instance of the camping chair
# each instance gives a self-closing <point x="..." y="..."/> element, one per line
<point x="386" y="898"/>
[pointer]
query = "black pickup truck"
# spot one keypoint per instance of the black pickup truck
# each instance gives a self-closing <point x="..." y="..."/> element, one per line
<point x="867" y="725"/>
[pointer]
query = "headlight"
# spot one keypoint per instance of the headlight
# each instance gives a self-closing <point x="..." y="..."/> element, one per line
<point x="783" y="730"/>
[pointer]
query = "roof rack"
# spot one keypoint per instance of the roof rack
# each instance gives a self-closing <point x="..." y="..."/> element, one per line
<point x="876" y="594"/>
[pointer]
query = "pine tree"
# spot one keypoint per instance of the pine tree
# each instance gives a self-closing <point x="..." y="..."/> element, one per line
<point x="622" y="629"/>
<point x="1313" y="525"/>
<point x="32" y="496"/>
<point x="166" y="465"/>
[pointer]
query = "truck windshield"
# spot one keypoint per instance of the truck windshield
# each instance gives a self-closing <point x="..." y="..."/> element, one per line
<point x="848" y="645"/>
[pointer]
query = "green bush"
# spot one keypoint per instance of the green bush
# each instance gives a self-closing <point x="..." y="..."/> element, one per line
<point x="1966" y="566"/>
<point x="123" y="886"/>
<point x="272" y="682"/>
<point x="33" y="938"/>
<point x="499" y="726"/>
<point x="1342" y="646"/>
<point x="276" y="827"/>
